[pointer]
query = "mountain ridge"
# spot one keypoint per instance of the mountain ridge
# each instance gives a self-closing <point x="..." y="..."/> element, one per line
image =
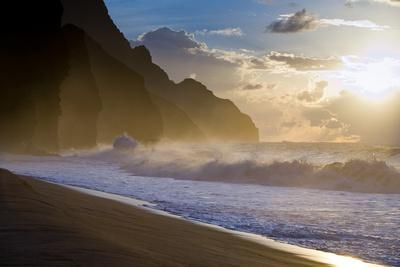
<point x="75" y="85"/>
<point x="100" y="26"/>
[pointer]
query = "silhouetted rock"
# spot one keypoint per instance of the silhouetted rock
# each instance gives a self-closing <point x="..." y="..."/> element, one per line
<point x="33" y="63"/>
<point x="177" y="124"/>
<point x="80" y="99"/>
<point x="97" y="83"/>
<point x="102" y="93"/>
<point x="125" y="143"/>
<point x="92" y="16"/>
<point x="127" y="105"/>
<point x="218" y="118"/>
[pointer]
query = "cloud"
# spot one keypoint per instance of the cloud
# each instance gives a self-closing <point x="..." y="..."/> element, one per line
<point x="353" y="23"/>
<point x="373" y="77"/>
<point x="348" y="112"/>
<point x="395" y="3"/>
<point x="166" y="38"/>
<point x="303" y="63"/>
<point x="316" y="94"/>
<point x="228" y="32"/>
<point x="253" y="86"/>
<point x="268" y="2"/>
<point x="317" y="116"/>
<point x="304" y="21"/>
<point x="333" y="124"/>
<point x="181" y="55"/>
<point x="287" y="111"/>
<point x="297" y="22"/>
<point x="390" y="2"/>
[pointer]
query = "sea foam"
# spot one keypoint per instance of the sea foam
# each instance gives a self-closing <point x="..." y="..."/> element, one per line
<point x="358" y="168"/>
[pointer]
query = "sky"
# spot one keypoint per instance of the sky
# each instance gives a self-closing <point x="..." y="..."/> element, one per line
<point x="308" y="70"/>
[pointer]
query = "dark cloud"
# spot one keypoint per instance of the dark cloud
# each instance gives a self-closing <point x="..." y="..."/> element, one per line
<point x="304" y="21"/>
<point x="303" y="63"/>
<point x="259" y="86"/>
<point x="297" y="22"/>
<point x="258" y="63"/>
<point x="253" y="87"/>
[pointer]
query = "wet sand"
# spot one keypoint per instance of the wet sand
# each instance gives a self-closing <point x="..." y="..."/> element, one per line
<point x="44" y="224"/>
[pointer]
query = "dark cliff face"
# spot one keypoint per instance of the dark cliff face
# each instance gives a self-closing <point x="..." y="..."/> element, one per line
<point x="33" y="63"/>
<point x="80" y="99"/>
<point x="92" y="16"/>
<point x="59" y="87"/>
<point x="127" y="105"/>
<point x="177" y="124"/>
<point x="102" y="98"/>
<point x="227" y="122"/>
<point x="81" y="84"/>
<point x="94" y="19"/>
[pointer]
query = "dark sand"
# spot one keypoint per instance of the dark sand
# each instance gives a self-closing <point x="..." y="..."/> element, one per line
<point x="44" y="224"/>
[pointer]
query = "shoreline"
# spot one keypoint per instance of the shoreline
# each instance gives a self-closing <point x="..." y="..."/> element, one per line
<point x="311" y="254"/>
<point x="118" y="230"/>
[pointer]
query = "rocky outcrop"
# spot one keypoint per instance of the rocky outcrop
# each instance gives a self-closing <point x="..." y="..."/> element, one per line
<point x="59" y="87"/>
<point x="227" y="121"/>
<point x="81" y="84"/>
<point x="177" y="124"/>
<point x="102" y="98"/>
<point x="127" y="105"/>
<point x="92" y="16"/>
<point x="80" y="99"/>
<point x="32" y="66"/>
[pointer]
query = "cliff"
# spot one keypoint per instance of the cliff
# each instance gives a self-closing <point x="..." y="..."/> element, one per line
<point x="32" y="66"/>
<point x="102" y="98"/>
<point x="227" y="121"/>
<point x="59" y="88"/>
<point x="80" y="97"/>
<point x="127" y="105"/>
<point x="177" y="124"/>
<point x="75" y="84"/>
<point x="92" y="16"/>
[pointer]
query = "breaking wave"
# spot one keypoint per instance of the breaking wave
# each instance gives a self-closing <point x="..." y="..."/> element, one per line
<point x="358" y="171"/>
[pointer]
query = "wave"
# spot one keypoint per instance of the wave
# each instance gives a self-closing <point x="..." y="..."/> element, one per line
<point x="225" y="165"/>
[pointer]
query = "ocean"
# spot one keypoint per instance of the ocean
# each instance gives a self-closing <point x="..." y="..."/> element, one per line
<point x="340" y="198"/>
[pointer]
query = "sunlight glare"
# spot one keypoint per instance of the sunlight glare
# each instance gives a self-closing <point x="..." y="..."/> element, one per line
<point x="343" y="261"/>
<point x="373" y="78"/>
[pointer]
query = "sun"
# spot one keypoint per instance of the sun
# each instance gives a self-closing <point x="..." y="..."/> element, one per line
<point x="373" y="78"/>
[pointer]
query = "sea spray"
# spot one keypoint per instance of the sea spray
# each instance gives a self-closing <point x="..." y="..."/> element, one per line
<point x="321" y="166"/>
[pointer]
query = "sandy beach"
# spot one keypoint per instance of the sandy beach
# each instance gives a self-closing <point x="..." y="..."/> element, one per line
<point x="44" y="224"/>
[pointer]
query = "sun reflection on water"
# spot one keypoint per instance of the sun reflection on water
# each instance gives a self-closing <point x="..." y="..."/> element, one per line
<point x="345" y="261"/>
